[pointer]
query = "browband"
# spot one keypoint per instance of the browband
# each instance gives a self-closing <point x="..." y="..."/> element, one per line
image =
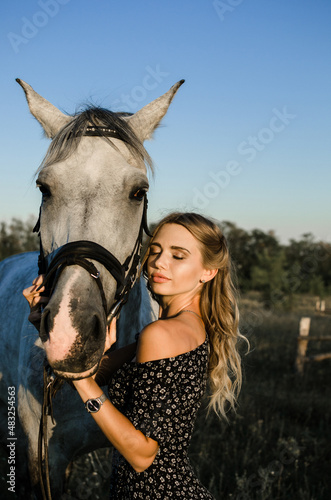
<point x="93" y="130"/>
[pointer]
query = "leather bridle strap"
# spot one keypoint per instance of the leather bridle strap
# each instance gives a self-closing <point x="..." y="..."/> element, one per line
<point x="50" y="387"/>
<point x="76" y="253"/>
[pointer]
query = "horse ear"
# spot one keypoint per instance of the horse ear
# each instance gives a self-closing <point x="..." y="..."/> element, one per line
<point x="145" y="121"/>
<point x="50" y="118"/>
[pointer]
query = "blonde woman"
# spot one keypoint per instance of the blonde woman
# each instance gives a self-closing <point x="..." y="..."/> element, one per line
<point x="155" y="385"/>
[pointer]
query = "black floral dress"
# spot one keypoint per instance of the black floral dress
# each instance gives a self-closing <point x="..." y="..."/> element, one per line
<point x="161" y="398"/>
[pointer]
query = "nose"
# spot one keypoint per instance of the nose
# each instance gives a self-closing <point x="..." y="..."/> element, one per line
<point x="160" y="261"/>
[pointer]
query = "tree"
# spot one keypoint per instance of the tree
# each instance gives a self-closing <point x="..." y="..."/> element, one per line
<point x="17" y="237"/>
<point x="311" y="262"/>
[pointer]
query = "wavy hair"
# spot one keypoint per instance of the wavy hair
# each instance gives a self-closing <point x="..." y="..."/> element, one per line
<point x="218" y="306"/>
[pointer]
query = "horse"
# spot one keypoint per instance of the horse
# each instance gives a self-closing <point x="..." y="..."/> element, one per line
<point x="93" y="182"/>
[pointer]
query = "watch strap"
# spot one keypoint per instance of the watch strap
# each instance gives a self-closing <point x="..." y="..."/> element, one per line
<point x="102" y="398"/>
<point x="99" y="400"/>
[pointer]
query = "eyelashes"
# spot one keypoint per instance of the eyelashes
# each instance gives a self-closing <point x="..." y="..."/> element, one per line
<point x="176" y="257"/>
<point x="153" y="253"/>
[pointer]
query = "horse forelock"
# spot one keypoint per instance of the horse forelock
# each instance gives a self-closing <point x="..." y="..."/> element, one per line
<point x="68" y="138"/>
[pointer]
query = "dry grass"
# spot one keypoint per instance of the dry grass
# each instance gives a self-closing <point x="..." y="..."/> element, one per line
<point x="277" y="446"/>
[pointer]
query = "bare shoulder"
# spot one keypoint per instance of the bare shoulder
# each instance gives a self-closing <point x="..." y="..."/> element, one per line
<point x="153" y="342"/>
<point x="165" y="339"/>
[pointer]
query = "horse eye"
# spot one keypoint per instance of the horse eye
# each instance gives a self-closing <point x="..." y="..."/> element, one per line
<point x="44" y="190"/>
<point x="139" y="194"/>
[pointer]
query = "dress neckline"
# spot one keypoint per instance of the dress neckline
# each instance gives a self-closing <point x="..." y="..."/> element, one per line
<point x="171" y="358"/>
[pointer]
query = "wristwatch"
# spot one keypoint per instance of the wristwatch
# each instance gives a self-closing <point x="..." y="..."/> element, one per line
<point x="94" y="405"/>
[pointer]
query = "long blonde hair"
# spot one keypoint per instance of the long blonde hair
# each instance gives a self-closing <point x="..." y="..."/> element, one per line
<point x="218" y="306"/>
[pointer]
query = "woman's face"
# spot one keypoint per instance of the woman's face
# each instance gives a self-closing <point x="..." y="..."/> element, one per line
<point x="174" y="265"/>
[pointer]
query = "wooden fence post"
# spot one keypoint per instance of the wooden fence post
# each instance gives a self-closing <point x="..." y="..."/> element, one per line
<point x="302" y="344"/>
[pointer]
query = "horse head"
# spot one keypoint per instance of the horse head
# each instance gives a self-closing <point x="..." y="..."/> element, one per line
<point x="93" y="181"/>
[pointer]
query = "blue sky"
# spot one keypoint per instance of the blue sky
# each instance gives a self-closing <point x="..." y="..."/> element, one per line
<point x="247" y="138"/>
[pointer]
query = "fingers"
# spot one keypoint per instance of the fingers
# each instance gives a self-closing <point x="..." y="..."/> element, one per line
<point x="36" y="300"/>
<point x="39" y="280"/>
<point x="112" y="331"/>
<point x="33" y="293"/>
<point x="110" y="335"/>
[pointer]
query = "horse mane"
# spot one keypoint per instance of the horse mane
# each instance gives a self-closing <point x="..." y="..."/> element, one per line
<point x="68" y="138"/>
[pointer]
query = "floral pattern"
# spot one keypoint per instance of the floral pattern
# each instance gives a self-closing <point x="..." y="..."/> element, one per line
<point x="161" y="398"/>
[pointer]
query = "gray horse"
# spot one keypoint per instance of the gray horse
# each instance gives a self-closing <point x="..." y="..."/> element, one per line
<point x="93" y="182"/>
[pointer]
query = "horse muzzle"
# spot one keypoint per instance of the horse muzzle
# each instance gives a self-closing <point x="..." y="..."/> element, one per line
<point x="73" y="325"/>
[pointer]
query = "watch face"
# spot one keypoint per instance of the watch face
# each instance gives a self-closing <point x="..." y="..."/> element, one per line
<point x="93" y="405"/>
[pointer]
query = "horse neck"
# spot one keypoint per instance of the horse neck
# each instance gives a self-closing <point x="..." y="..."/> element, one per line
<point x="136" y="313"/>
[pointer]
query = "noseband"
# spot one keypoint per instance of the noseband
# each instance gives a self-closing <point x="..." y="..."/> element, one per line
<point x="76" y="253"/>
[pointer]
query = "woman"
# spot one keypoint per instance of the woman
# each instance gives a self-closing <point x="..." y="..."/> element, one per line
<point x="156" y="384"/>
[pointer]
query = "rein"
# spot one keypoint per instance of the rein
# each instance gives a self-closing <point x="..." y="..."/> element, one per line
<point x="77" y="253"/>
<point x="50" y="388"/>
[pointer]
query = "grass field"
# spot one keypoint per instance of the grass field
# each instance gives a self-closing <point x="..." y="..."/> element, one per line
<point x="278" y="445"/>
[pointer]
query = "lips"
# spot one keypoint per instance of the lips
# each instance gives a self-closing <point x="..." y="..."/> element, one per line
<point x="159" y="278"/>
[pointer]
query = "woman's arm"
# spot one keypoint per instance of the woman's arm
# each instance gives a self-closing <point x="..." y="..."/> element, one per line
<point x="111" y="361"/>
<point x="135" y="447"/>
<point x="139" y="450"/>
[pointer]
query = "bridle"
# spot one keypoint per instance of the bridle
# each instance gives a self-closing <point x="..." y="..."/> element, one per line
<point x="79" y="253"/>
<point x="76" y="253"/>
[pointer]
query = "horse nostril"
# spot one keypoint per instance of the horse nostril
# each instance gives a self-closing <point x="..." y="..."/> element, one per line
<point x="96" y="329"/>
<point x="45" y="326"/>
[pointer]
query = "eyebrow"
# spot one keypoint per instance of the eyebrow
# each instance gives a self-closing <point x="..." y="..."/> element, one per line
<point x="173" y="247"/>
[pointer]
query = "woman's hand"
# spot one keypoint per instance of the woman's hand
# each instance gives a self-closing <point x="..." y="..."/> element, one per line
<point x="110" y="340"/>
<point x="110" y="335"/>
<point x="36" y="300"/>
